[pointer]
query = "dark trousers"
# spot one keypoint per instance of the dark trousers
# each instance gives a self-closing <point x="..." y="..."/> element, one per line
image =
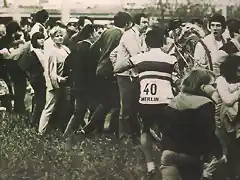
<point x="38" y="102"/>
<point x="81" y="104"/>
<point x="108" y="101"/>
<point x="129" y="96"/>
<point x="10" y="69"/>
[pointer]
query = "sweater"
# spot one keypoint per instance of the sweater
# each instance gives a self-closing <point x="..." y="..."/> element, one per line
<point x="190" y="126"/>
<point x="80" y="68"/>
<point x="102" y="48"/>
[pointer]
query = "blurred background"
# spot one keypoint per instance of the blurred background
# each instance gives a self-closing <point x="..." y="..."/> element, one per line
<point x="102" y="11"/>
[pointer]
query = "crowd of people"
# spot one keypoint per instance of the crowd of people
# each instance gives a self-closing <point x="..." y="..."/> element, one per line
<point x="182" y="80"/>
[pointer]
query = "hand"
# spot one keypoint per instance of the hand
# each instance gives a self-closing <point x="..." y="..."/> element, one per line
<point x="5" y="53"/>
<point x="62" y="79"/>
<point x="224" y="159"/>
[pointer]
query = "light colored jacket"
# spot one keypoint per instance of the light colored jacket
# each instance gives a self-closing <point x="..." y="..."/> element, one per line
<point x="55" y="66"/>
<point x="131" y="43"/>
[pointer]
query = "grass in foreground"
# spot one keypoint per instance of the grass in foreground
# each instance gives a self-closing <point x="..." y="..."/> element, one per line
<point x="25" y="155"/>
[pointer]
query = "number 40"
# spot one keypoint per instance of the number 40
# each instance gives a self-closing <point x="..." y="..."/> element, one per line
<point x="150" y="88"/>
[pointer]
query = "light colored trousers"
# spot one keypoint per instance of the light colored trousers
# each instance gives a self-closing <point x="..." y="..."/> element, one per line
<point x="51" y="101"/>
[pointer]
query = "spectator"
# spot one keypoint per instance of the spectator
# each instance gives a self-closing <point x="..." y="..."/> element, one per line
<point x="41" y="17"/>
<point x="33" y="66"/>
<point x="82" y="22"/>
<point x="107" y="94"/>
<point x="11" y="68"/>
<point x="54" y="78"/>
<point x="228" y="124"/>
<point x="131" y="44"/>
<point x="190" y="128"/>
<point x="81" y="71"/>
<point x="231" y="47"/>
<point x="206" y="52"/>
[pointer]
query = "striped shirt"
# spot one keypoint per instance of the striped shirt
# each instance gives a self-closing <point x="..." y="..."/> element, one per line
<point x="155" y="74"/>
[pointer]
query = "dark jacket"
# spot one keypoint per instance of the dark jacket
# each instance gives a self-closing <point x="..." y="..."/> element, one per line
<point x="80" y="67"/>
<point x="74" y="39"/>
<point x="229" y="48"/>
<point x="33" y="69"/>
<point x="191" y="126"/>
<point x="102" y="48"/>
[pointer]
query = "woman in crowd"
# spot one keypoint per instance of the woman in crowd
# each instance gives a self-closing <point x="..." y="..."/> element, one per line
<point x="189" y="136"/>
<point x="228" y="122"/>
<point x="33" y="66"/>
<point x="54" y="77"/>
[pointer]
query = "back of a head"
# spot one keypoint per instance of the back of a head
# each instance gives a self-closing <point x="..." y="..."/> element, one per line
<point x="41" y="16"/>
<point x="195" y="79"/>
<point x="87" y="31"/>
<point x="12" y="28"/>
<point x="137" y="18"/>
<point x="228" y="68"/>
<point x="218" y="18"/>
<point x="121" y="19"/>
<point x="234" y="27"/>
<point x="155" y="37"/>
<point x="84" y="20"/>
<point x="174" y="24"/>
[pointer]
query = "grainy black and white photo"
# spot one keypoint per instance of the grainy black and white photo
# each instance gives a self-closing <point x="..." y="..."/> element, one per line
<point x="119" y="90"/>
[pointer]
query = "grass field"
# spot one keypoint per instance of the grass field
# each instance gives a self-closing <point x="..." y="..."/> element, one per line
<point x="26" y="156"/>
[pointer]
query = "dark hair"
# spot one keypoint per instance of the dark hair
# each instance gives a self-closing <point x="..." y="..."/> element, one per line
<point x="121" y="19"/>
<point x="196" y="20"/>
<point x="137" y="18"/>
<point x="35" y="37"/>
<point x="195" y="79"/>
<point x="218" y="18"/>
<point x="233" y="27"/>
<point x="25" y="21"/>
<point x="41" y="16"/>
<point x="228" y="68"/>
<point x="81" y="20"/>
<point x="174" y="24"/>
<point x="87" y="31"/>
<point x="155" y="38"/>
<point x="12" y="28"/>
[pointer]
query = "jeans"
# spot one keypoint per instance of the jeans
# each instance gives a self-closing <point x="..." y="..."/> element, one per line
<point x="129" y="96"/>
<point x="178" y="166"/>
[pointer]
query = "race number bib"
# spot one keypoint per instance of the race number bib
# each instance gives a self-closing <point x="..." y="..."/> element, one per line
<point x="155" y="91"/>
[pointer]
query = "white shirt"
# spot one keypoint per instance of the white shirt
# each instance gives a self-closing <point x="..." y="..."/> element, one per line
<point x="213" y="46"/>
<point x="36" y="28"/>
<point x="130" y="44"/>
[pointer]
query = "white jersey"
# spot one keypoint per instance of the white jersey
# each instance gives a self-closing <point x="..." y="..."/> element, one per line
<point x="155" y="74"/>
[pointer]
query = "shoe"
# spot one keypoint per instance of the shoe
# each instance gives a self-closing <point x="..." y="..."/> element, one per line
<point x="153" y="175"/>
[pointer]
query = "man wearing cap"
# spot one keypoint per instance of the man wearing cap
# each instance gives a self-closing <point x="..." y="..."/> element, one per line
<point x="82" y="22"/>
<point x="71" y="30"/>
